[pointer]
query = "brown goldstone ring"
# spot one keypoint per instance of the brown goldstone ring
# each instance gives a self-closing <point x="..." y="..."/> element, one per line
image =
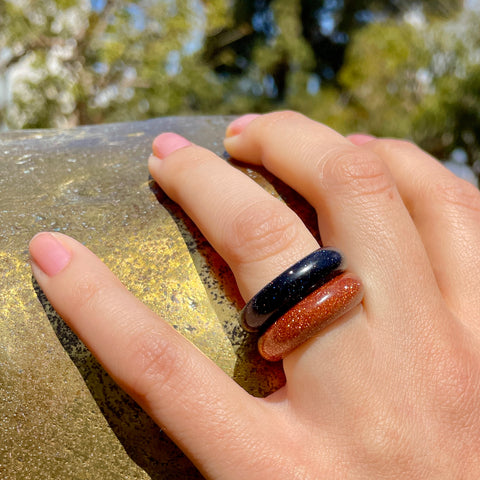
<point x="310" y="316"/>
<point x="301" y="302"/>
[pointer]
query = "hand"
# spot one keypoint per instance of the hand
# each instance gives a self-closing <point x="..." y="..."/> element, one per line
<point x="391" y="390"/>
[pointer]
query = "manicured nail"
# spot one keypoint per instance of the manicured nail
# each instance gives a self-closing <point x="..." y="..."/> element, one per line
<point x="49" y="254"/>
<point x="360" y="138"/>
<point x="238" y="125"/>
<point x="167" y="143"/>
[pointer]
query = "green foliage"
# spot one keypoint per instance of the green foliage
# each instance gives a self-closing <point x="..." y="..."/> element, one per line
<point x="419" y="82"/>
<point x="397" y="68"/>
<point x="381" y="75"/>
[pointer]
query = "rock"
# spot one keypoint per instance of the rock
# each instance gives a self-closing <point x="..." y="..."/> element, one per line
<point x="61" y="415"/>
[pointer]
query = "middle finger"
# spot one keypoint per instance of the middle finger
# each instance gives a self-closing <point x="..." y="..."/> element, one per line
<point x="359" y="207"/>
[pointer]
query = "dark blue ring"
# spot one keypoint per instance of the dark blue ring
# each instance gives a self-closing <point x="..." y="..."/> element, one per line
<point x="291" y="286"/>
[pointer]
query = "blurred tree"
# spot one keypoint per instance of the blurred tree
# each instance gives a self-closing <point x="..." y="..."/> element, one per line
<point x="400" y="68"/>
<point x="271" y="41"/>
<point x="75" y="62"/>
<point x="418" y="80"/>
<point x="449" y="116"/>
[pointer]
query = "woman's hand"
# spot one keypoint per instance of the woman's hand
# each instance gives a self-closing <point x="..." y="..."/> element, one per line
<point x="391" y="390"/>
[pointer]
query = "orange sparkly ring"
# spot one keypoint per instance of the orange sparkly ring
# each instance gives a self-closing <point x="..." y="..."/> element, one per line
<point x="301" y="302"/>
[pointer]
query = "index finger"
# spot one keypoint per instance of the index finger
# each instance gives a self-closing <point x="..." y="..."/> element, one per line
<point x="181" y="389"/>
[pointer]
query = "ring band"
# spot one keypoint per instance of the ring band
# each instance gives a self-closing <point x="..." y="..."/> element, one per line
<point x="290" y="287"/>
<point x="311" y="315"/>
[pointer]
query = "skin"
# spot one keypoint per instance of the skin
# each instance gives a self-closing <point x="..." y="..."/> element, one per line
<point x="390" y="391"/>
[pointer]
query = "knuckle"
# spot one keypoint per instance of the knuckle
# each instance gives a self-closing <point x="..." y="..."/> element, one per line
<point x="457" y="390"/>
<point x="455" y="193"/>
<point x="155" y="359"/>
<point x="272" y="119"/>
<point x="283" y="115"/>
<point x="260" y="231"/>
<point x="360" y="173"/>
<point x="382" y="439"/>
<point x="389" y="146"/>
<point x="88" y="291"/>
<point x="180" y="169"/>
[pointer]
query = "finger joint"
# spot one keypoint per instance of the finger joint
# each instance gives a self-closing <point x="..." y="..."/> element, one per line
<point x="260" y="231"/>
<point x="355" y="173"/>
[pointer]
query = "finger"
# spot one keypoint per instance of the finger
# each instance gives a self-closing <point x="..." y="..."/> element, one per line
<point x="359" y="208"/>
<point x="205" y="412"/>
<point x="257" y="234"/>
<point x="360" y="138"/>
<point x="446" y="212"/>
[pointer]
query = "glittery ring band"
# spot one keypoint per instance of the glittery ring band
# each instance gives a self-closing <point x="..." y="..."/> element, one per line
<point x="301" y="302"/>
<point x="310" y="316"/>
<point x="291" y="286"/>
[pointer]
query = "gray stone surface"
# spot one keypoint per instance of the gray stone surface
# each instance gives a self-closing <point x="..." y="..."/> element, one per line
<point x="61" y="415"/>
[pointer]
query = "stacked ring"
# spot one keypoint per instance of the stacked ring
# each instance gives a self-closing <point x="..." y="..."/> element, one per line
<point x="286" y="290"/>
<point x="310" y="316"/>
<point x="301" y="302"/>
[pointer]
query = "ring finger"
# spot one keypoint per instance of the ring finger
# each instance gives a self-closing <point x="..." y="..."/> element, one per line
<point x="259" y="237"/>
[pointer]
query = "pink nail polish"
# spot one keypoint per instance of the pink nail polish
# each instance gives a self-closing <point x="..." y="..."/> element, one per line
<point x="49" y="253"/>
<point x="360" y="138"/>
<point x="167" y="143"/>
<point x="239" y="124"/>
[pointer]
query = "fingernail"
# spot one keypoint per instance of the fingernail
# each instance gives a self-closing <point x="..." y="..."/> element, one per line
<point x="49" y="253"/>
<point x="167" y="143"/>
<point x="238" y="125"/>
<point x="360" y="138"/>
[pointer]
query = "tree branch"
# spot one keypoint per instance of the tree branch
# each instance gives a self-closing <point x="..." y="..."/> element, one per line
<point x="41" y="42"/>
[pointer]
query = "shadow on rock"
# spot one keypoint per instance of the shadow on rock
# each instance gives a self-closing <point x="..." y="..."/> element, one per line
<point x="145" y="443"/>
<point x="257" y="376"/>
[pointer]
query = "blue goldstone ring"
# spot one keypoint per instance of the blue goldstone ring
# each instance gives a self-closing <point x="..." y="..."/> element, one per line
<point x="290" y="287"/>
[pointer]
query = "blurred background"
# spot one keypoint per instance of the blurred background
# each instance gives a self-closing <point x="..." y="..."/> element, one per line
<point x="407" y="69"/>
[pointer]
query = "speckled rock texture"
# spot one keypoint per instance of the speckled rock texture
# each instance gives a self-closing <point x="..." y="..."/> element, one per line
<point x="61" y="415"/>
